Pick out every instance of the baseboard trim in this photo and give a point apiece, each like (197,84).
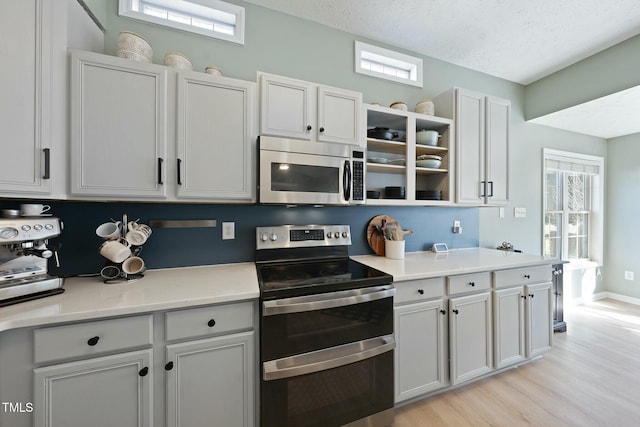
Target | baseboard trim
(603,295)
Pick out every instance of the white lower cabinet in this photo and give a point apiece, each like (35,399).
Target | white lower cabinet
(210,382)
(539,322)
(509,327)
(421,355)
(470,336)
(99,392)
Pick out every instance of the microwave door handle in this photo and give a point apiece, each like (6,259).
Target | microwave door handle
(321,360)
(346,180)
(324,301)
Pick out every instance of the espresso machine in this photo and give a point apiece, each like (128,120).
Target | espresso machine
(24,256)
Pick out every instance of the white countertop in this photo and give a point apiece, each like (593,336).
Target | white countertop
(421,265)
(89,298)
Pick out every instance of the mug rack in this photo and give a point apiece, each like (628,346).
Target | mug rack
(135,251)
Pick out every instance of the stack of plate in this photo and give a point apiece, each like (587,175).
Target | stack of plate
(429,161)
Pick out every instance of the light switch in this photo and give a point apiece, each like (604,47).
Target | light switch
(520,212)
(228,230)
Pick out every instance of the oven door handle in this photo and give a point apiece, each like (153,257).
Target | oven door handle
(326,300)
(321,360)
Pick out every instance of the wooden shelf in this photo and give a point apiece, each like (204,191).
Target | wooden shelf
(429,171)
(386,146)
(383,168)
(430,149)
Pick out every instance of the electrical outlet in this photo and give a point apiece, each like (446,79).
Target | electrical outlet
(628,275)
(228,230)
(457,228)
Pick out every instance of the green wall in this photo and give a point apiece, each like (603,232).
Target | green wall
(282,44)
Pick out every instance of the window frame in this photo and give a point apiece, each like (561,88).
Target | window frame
(362,48)
(595,214)
(125,9)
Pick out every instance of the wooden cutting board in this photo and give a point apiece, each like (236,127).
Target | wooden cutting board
(375,239)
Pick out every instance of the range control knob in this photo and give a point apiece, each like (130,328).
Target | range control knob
(48,226)
(273,237)
(336,234)
(345,234)
(329,235)
(264,237)
(26,227)
(37,227)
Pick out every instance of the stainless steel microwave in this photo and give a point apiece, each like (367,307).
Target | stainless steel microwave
(310,172)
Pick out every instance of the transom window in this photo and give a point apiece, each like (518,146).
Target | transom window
(573,220)
(212,18)
(388,64)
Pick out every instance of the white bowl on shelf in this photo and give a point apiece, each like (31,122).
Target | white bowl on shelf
(429,163)
(177,60)
(133,46)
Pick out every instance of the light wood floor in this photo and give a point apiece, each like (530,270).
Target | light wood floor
(590,378)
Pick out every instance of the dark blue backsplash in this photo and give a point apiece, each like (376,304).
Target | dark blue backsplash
(177,247)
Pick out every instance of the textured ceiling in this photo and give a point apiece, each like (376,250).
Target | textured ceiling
(517,40)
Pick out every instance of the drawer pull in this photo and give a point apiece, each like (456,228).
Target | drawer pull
(531,295)
(211,323)
(309,127)
(143,372)
(421,291)
(455,311)
(443,312)
(526,276)
(472,283)
(93,341)
(168,366)
(523,296)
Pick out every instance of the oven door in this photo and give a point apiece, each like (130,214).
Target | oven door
(352,383)
(297,325)
(296,178)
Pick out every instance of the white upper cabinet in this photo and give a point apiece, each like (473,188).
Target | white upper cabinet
(33,108)
(297,109)
(215,137)
(118,127)
(482,145)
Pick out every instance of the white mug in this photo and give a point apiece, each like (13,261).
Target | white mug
(109,230)
(33,209)
(110,272)
(138,233)
(133,265)
(115,251)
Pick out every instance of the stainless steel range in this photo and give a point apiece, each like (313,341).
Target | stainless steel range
(326,331)
(23,258)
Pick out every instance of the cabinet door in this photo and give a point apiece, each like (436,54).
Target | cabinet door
(210,382)
(339,115)
(470,336)
(26,89)
(470,130)
(215,138)
(508,317)
(118,121)
(539,323)
(498,113)
(101,392)
(287,107)
(420,355)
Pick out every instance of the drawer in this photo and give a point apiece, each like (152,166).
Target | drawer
(522,276)
(418,290)
(208,320)
(469,283)
(92,338)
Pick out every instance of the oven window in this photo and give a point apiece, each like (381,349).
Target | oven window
(304,178)
(294,333)
(329,398)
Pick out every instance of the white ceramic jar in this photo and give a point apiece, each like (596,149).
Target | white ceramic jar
(426,106)
(133,46)
(177,60)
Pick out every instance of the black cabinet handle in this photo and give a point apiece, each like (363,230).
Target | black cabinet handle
(93,341)
(526,276)
(531,295)
(309,127)
(211,323)
(160,160)
(443,312)
(168,366)
(472,283)
(491,189)
(47,163)
(144,371)
(321,129)
(455,311)
(523,296)
(421,291)
(483,192)
(179,166)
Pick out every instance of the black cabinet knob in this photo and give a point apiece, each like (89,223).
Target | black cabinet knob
(455,311)
(526,276)
(531,295)
(421,291)
(321,129)
(443,312)
(211,323)
(309,127)
(168,366)
(523,296)
(472,283)
(93,341)
(143,372)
